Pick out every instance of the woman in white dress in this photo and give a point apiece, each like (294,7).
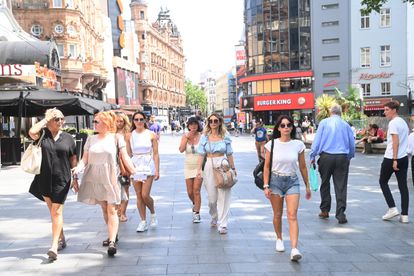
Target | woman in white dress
(143,145)
(189,144)
(99,183)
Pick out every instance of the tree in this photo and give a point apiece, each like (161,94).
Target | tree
(375,5)
(194,96)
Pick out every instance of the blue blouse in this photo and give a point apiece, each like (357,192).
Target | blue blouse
(223,146)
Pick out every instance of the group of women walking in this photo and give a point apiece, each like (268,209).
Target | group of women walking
(119,155)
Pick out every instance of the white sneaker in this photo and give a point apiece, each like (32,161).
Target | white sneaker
(142,226)
(154,220)
(196,218)
(392,212)
(222,230)
(404,219)
(280,247)
(295,255)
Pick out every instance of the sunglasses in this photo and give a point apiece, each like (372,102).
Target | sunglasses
(96,122)
(139,119)
(58,119)
(289,125)
(213,121)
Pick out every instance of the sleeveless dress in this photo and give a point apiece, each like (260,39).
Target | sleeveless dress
(99,181)
(191,161)
(141,147)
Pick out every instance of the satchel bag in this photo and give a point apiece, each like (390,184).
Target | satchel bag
(32,157)
(224,176)
(258,171)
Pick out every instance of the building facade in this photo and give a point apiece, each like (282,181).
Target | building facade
(278,52)
(331,52)
(161,60)
(208,84)
(78,29)
(382,57)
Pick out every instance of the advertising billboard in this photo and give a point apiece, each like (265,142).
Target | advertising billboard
(126,87)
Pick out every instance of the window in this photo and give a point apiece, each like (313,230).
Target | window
(366,89)
(36,30)
(69,3)
(385,88)
(330,23)
(61,50)
(57,3)
(329,91)
(385,15)
(331,75)
(364,21)
(59,29)
(330,40)
(329,58)
(142,15)
(72,50)
(71,30)
(385,56)
(330,6)
(365,57)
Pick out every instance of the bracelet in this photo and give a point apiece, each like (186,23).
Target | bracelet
(265,186)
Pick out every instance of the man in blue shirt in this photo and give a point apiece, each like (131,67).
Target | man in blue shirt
(154,126)
(261,139)
(335,144)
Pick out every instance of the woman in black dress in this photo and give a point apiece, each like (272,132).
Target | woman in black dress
(53,182)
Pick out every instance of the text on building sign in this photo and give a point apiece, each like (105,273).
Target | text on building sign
(274,102)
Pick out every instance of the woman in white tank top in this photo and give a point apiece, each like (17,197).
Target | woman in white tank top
(143,146)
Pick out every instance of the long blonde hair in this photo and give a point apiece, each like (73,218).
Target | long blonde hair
(222,131)
(108,118)
(127,123)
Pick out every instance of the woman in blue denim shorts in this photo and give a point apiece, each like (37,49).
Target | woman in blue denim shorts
(284,182)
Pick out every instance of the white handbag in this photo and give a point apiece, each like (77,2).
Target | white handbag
(32,157)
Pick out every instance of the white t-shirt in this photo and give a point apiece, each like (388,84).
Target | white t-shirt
(397,126)
(285,155)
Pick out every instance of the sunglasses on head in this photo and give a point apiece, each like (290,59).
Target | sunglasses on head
(139,119)
(213,121)
(58,119)
(289,125)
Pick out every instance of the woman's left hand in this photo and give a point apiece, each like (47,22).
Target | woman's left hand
(75,185)
(156,175)
(268,192)
(308,192)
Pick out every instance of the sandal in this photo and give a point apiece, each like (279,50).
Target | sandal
(123,218)
(107,242)
(61,244)
(111,249)
(52,255)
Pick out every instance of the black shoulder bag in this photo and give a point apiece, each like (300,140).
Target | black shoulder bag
(258,171)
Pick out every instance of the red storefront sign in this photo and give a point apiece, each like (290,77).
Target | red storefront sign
(375,103)
(288,101)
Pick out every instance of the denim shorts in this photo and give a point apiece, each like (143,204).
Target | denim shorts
(284,185)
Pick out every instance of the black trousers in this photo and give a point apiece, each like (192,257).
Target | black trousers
(336,166)
(401,174)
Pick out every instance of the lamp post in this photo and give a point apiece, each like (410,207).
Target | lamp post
(409,97)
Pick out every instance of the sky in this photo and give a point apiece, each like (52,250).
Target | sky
(210,29)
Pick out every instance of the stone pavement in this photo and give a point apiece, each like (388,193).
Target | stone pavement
(365,246)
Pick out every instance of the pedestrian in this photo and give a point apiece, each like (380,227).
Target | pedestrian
(260,139)
(144,148)
(299,134)
(395,161)
(53,182)
(241,126)
(215,144)
(123,128)
(334,143)
(305,125)
(410,151)
(99,183)
(154,126)
(284,182)
(189,144)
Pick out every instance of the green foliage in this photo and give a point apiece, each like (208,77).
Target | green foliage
(70,130)
(376,5)
(350,104)
(195,97)
(87,131)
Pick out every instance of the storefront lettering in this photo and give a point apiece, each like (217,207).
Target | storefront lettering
(11,70)
(274,102)
(382,75)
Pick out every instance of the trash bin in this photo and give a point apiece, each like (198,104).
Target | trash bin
(11,152)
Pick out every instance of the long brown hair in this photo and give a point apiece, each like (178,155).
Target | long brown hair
(222,131)
(127,123)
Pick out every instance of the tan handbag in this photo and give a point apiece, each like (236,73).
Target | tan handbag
(224,176)
(32,157)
